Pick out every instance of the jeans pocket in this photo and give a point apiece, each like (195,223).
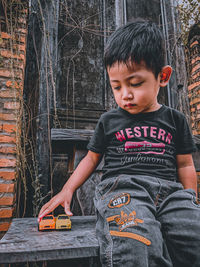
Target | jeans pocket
(106,188)
(195,200)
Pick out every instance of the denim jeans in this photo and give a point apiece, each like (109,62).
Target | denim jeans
(145,221)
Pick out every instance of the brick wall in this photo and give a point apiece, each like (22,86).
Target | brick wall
(12,63)
(193,58)
(194,84)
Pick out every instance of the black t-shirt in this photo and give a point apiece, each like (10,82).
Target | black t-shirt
(145,144)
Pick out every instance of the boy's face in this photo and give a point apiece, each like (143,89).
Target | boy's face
(135,88)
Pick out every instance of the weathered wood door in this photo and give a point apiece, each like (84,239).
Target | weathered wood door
(82,91)
(65,46)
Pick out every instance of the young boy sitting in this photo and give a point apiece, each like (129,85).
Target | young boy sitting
(147,214)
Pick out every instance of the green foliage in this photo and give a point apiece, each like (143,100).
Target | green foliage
(189,12)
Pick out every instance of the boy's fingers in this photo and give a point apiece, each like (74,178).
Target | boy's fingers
(67,209)
(47,208)
(52,204)
(44,208)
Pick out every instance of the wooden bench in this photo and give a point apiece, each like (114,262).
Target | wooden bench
(24,243)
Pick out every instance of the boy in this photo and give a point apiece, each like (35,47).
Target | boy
(147,213)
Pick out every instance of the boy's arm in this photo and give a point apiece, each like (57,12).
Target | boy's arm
(79,176)
(186,171)
(85,168)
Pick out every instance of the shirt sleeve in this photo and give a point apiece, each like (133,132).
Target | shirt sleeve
(185,143)
(97,142)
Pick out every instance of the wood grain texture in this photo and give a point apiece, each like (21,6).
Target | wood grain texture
(23,242)
(71,134)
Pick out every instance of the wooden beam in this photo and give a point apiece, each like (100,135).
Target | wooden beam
(71,134)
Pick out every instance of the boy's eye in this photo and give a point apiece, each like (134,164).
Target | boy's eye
(116,87)
(136,84)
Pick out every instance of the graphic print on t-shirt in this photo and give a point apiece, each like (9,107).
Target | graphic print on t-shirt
(144,140)
(144,147)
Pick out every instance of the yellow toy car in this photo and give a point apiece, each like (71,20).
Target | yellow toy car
(63,222)
(47,223)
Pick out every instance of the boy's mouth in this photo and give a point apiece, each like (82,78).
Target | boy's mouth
(129,105)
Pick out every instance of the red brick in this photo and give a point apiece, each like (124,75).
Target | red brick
(24,11)
(193,85)
(24,31)
(194,101)
(7,149)
(6,73)
(7,139)
(7,200)
(22,39)
(194,76)
(192,118)
(7,175)
(195,60)
(193,109)
(7,188)
(4,162)
(22,20)
(8,117)
(195,132)
(196,67)
(4,226)
(19,47)
(11,105)
(8,94)
(194,43)
(8,128)
(6,212)
(14,84)
(19,65)
(9,54)
(5,35)
(19,74)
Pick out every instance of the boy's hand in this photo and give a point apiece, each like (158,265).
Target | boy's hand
(63,198)
(79,176)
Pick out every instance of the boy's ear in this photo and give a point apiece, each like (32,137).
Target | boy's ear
(165,75)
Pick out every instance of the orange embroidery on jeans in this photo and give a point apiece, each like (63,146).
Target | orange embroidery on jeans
(131,235)
(119,201)
(111,218)
(124,220)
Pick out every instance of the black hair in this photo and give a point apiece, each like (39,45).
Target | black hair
(137,41)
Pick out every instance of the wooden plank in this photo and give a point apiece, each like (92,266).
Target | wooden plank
(143,9)
(48,20)
(23,242)
(78,118)
(71,134)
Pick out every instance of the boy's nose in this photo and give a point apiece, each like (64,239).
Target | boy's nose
(127,94)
